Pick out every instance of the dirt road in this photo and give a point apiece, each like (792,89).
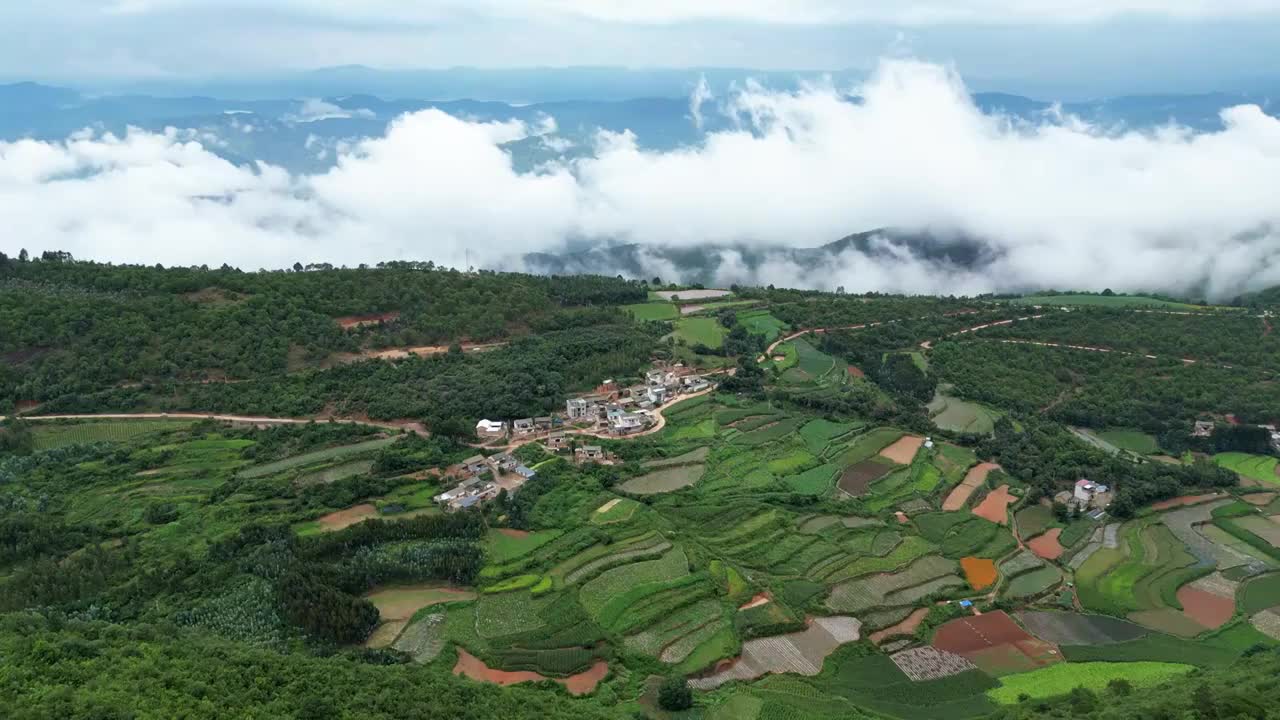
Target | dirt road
(243,419)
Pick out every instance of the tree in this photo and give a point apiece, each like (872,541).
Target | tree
(16,437)
(297,267)
(656,281)
(674,694)
(23,256)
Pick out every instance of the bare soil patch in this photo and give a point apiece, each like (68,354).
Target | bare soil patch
(1259,499)
(512,532)
(355,321)
(906,627)
(691,309)
(1184,500)
(608,506)
(978,632)
(692,294)
(995,506)
(580,684)
(801,652)
(857,478)
(400,603)
(1047,545)
(763,598)
(904,450)
(856,371)
(1206,608)
(973,479)
(980,572)
(346,518)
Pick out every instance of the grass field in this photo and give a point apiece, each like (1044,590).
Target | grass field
(701,331)
(761,322)
(313,458)
(1108,301)
(815,481)
(1131,440)
(1257,467)
(818,433)
(615,511)
(49,435)
(1062,678)
(663,481)
(652,311)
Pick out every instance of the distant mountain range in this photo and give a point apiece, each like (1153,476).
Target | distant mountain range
(302,135)
(751,264)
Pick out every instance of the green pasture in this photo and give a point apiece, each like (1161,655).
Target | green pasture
(653,311)
(501,547)
(762,322)
(1062,678)
(1255,467)
(701,331)
(955,415)
(1131,440)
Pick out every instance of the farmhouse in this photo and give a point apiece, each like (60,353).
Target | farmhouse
(557,442)
(503,462)
(627,423)
(576,408)
(491,429)
(467,494)
(522,427)
(1088,494)
(589,452)
(695,384)
(543,424)
(475,464)
(657,395)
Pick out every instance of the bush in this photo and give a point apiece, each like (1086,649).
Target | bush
(674,694)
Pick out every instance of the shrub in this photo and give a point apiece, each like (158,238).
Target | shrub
(674,694)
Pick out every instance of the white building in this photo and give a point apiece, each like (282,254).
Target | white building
(491,429)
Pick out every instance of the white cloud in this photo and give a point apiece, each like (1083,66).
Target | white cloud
(314,109)
(812,12)
(1060,205)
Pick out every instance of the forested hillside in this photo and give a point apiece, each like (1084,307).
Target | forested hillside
(832,506)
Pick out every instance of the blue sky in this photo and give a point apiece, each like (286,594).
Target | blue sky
(1061,48)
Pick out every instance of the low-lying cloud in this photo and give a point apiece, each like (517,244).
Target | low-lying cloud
(1057,204)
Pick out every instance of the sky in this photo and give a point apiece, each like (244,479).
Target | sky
(1046,47)
(1061,204)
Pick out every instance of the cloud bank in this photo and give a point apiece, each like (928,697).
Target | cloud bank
(1058,204)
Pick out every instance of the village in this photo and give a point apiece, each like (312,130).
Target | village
(610,411)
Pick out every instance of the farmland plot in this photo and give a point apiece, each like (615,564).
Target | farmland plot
(664,481)
(973,479)
(1062,678)
(857,478)
(800,653)
(47,436)
(1066,628)
(313,458)
(614,584)
(929,663)
(856,596)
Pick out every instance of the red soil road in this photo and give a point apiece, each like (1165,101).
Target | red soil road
(580,684)
(995,506)
(1184,500)
(346,518)
(1207,609)
(904,450)
(972,481)
(906,627)
(979,632)
(761,599)
(1047,546)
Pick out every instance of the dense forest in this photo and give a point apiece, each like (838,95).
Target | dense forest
(69,327)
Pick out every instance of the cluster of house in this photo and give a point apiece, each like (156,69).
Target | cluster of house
(482,479)
(1205,428)
(1087,497)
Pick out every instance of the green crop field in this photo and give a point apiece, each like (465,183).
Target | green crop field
(621,510)
(1032,583)
(1062,678)
(1131,440)
(613,583)
(664,481)
(1259,594)
(792,462)
(818,433)
(502,547)
(956,415)
(652,311)
(1256,467)
(815,481)
(1033,520)
(1111,301)
(313,458)
(701,331)
(54,435)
